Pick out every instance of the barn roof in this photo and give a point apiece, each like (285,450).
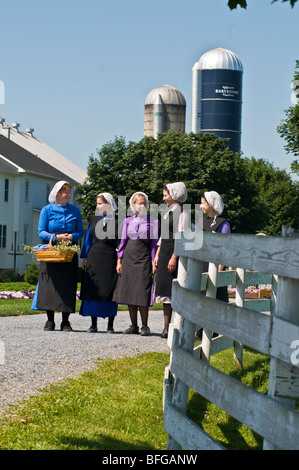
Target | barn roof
(43,153)
(14,158)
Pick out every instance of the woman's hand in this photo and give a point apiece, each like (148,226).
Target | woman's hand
(118,266)
(172,263)
(83,265)
(64,237)
(156,259)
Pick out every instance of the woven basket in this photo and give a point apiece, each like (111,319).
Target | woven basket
(54,256)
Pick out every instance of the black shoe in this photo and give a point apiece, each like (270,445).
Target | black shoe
(145,331)
(49,326)
(66,326)
(110,329)
(92,329)
(132,330)
(164,334)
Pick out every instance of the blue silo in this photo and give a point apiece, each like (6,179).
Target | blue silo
(217,96)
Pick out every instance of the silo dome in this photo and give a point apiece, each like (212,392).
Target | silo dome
(219,59)
(164,109)
(169,95)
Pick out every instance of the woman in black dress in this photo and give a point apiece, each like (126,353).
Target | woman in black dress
(165,266)
(212,207)
(99,264)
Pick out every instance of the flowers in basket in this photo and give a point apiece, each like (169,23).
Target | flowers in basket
(63,252)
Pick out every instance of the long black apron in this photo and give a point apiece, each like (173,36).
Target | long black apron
(100,276)
(210,226)
(163,277)
(134,285)
(57,286)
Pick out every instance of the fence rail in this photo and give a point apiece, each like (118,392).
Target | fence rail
(269,326)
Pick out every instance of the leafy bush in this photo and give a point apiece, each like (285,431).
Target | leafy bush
(32,273)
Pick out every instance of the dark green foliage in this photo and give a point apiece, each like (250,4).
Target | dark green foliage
(32,273)
(243,3)
(203,162)
(289,127)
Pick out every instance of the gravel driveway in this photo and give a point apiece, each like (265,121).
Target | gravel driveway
(31,358)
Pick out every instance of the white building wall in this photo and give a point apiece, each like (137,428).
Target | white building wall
(6,218)
(21,214)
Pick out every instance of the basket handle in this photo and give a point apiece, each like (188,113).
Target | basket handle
(50,242)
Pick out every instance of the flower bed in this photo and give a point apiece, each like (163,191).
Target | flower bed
(253,293)
(9,294)
(24,294)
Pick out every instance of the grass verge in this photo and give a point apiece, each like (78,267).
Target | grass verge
(118,406)
(15,307)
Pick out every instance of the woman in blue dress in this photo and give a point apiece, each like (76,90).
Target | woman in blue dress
(57,283)
(99,274)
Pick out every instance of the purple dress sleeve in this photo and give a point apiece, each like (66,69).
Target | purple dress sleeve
(224,227)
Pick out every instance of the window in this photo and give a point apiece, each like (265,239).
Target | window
(6,189)
(48,190)
(27,190)
(3,229)
(26,234)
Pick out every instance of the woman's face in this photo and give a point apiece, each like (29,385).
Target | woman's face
(140,206)
(63,196)
(206,207)
(102,206)
(167,198)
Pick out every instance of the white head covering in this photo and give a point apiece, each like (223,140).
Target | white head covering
(215,200)
(55,189)
(132,197)
(109,198)
(177,191)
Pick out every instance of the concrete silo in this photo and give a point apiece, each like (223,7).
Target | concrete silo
(164,109)
(217,96)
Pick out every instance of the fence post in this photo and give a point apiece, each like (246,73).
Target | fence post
(240,296)
(189,276)
(287,309)
(211,291)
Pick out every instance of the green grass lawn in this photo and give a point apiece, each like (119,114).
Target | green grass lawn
(119,406)
(12,307)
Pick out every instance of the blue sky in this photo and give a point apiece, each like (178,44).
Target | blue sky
(79,72)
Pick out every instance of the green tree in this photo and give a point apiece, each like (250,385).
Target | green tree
(289,127)
(257,196)
(277,194)
(243,3)
(202,161)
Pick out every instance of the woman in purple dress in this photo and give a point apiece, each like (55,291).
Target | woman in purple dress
(136,253)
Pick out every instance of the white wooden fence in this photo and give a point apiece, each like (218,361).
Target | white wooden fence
(271,329)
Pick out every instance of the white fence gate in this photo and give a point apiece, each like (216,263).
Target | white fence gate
(270,327)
